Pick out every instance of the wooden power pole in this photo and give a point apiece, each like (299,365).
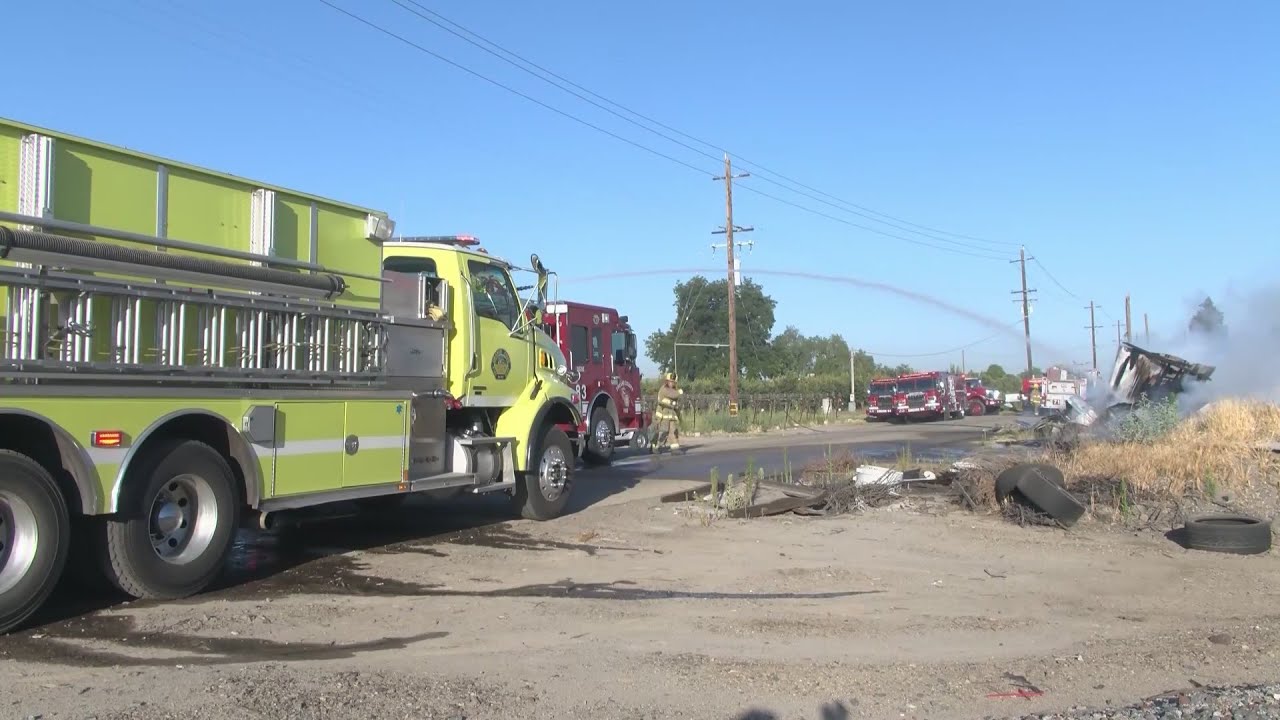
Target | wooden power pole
(1093,333)
(728,230)
(1026,305)
(1128,321)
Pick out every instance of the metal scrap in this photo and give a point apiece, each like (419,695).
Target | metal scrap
(1140,373)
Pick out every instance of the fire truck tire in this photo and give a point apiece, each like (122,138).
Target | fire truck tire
(543,491)
(977,407)
(640,440)
(176,522)
(600,435)
(35,532)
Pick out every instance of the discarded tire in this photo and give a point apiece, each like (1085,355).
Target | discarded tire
(1007,481)
(1235,534)
(1045,490)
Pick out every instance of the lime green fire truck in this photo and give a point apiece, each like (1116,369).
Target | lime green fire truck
(187,351)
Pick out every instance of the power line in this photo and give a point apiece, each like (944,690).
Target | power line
(502,53)
(865,227)
(981,253)
(514,91)
(1055,280)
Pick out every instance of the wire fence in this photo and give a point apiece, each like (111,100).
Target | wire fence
(710,412)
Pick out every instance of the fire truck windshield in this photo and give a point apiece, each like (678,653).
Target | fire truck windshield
(917,385)
(882,386)
(973,383)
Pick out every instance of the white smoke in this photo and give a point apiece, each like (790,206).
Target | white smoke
(1245,353)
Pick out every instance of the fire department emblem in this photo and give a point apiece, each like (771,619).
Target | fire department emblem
(501,364)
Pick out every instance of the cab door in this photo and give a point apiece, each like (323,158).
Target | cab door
(503,360)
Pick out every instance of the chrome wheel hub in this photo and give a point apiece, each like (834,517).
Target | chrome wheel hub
(603,437)
(19,538)
(553,472)
(183,517)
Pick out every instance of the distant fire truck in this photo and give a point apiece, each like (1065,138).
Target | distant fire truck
(880,398)
(931,395)
(600,347)
(981,399)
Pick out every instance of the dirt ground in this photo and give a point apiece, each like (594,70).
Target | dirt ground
(632,610)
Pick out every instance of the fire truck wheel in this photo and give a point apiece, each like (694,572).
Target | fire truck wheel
(35,532)
(543,491)
(976,407)
(176,521)
(640,440)
(600,442)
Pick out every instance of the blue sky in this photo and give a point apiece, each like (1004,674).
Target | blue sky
(1101,135)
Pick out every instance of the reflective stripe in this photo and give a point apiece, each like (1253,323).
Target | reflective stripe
(106,456)
(115,456)
(336,445)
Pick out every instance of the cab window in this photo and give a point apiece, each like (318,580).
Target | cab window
(597,352)
(492,294)
(578,351)
(618,344)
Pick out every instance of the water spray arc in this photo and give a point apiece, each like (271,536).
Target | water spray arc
(999,327)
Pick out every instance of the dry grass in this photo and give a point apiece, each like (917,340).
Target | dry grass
(1217,449)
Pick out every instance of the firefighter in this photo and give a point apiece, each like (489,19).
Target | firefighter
(666,418)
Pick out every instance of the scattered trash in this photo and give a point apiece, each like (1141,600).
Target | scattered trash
(1023,688)
(861,487)
(877,475)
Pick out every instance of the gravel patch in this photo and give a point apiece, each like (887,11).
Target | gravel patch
(1244,702)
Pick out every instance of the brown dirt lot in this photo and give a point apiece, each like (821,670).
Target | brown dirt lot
(631,610)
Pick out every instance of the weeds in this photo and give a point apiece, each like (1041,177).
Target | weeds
(1149,421)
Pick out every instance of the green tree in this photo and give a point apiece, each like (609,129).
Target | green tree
(702,316)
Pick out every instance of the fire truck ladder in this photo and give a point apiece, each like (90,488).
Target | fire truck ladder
(77,327)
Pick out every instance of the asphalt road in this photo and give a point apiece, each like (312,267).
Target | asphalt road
(882,443)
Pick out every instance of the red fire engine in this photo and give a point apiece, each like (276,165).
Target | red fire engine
(982,400)
(934,395)
(880,398)
(600,347)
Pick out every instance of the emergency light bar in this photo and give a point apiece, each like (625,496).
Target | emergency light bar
(464,240)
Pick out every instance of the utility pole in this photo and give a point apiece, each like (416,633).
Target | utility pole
(853,384)
(1146,330)
(729,229)
(1128,322)
(1118,339)
(1093,333)
(962,369)
(1026,305)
